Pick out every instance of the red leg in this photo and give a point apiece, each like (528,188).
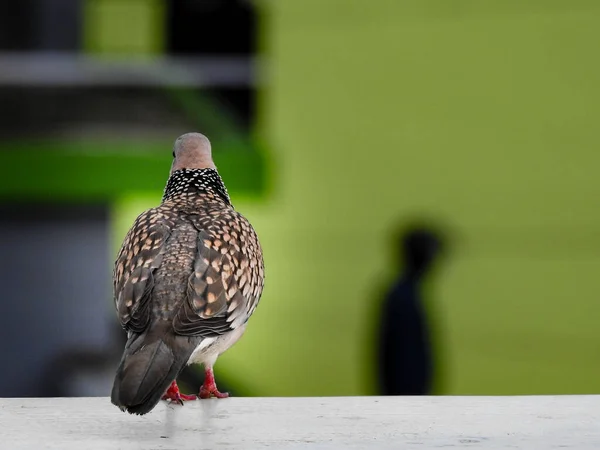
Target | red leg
(174,395)
(209,388)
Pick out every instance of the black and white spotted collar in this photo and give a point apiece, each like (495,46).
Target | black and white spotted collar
(193,181)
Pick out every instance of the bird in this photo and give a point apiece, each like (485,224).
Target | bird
(187,278)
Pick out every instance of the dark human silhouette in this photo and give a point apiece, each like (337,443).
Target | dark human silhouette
(405,355)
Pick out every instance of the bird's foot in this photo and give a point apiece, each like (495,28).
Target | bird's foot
(208,392)
(209,388)
(175,396)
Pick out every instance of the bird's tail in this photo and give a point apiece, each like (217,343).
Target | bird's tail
(148,366)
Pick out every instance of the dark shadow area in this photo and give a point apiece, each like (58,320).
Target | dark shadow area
(405,351)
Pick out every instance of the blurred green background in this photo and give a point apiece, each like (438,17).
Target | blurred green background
(480,115)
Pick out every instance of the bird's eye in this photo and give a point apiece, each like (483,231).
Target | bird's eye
(173,153)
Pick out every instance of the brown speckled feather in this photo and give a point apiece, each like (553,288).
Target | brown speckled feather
(227,281)
(140,255)
(228,272)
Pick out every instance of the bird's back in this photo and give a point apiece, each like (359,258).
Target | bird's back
(172,276)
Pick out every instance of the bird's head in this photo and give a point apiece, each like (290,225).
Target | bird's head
(192,151)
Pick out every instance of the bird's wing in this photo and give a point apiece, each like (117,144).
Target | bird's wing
(141,253)
(228,277)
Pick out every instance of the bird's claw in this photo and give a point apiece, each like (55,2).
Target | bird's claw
(179,398)
(209,387)
(174,396)
(207,392)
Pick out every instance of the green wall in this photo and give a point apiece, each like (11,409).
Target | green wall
(482,115)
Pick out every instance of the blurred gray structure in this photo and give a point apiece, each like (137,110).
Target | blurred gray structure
(55,289)
(60,335)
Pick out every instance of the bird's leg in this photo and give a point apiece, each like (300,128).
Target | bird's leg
(174,395)
(209,388)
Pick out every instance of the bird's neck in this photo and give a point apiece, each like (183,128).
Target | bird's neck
(191,182)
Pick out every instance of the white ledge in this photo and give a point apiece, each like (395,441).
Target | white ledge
(318,423)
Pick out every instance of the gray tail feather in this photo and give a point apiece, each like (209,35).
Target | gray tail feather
(144,374)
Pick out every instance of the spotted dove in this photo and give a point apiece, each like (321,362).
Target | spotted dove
(188,277)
